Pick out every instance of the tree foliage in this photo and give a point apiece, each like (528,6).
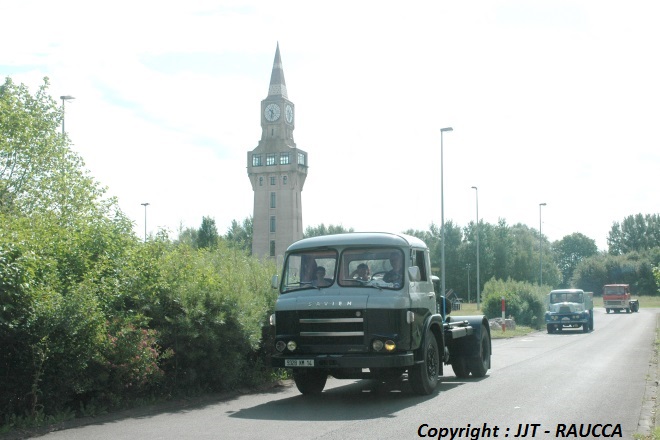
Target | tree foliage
(635,233)
(315,231)
(38,170)
(240,234)
(90,316)
(634,268)
(207,235)
(570,251)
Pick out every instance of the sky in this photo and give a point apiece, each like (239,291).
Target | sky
(550,101)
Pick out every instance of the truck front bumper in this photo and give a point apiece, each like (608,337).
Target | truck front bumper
(579,318)
(343,360)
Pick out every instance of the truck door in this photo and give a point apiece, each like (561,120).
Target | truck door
(422,295)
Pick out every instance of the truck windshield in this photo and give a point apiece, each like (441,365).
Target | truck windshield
(312,269)
(559,297)
(372,267)
(613,290)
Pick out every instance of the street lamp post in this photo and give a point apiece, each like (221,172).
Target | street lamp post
(477,231)
(145,220)
(468,277)
(540,247)
(65,98)
(442,217)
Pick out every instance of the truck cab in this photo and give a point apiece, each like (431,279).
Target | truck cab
(363,305)
(616,297)
(569,308)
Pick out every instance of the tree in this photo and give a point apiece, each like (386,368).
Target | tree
(187,236)
(38,170)
(315,231)
(635,233)
(207,235)
(240,235)
(569,251)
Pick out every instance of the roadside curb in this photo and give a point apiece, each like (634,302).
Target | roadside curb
(648,419)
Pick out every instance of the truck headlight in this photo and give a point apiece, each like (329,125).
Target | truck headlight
(377,345)
(291,345)
(280,346)
(390,345)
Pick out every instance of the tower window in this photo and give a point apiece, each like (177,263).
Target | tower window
(284,180)
(256,160)
(272,223)
(270,159)
(301,159)
(284,159)
(272,248)
(272,200)
(272,180)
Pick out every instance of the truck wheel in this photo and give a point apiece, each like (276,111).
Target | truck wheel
(607,310)
(310,381)
(551,328)
(585,327)
(460,367)
(479,365)
(591,321)
(424,377)
(627,309)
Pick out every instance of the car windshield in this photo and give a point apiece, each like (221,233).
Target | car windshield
(372,267)
(313,269)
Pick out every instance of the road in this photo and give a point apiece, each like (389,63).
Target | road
(537,384)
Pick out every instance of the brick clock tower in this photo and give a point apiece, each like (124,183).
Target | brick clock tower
(277,170)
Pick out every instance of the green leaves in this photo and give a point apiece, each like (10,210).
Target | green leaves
(38,170)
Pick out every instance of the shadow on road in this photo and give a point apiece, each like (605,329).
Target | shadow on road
(361,400)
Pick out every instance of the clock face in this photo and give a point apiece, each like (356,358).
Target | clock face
(289,113)
(272,112)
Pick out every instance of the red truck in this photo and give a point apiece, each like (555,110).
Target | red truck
(617,297)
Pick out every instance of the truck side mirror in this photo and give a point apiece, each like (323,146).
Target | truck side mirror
(414,274)
(274,282)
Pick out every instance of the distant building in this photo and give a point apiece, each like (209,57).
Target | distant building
(277,170)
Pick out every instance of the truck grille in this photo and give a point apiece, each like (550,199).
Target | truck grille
(332,327)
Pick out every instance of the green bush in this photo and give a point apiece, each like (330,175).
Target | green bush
(524,302)
(216,305)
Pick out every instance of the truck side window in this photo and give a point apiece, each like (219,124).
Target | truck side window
(419,260)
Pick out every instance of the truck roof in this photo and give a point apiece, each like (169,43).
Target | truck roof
(567,291)
(358,239)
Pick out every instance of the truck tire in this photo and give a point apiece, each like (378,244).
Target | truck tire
(627,309)
(607,310)
(585,327)
(479,365)
(591,321)
(423,377)
(551,328)
(310,381)
(460,367)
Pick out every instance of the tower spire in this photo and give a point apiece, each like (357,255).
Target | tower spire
(277,84)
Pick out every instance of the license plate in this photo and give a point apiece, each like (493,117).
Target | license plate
(298,362)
